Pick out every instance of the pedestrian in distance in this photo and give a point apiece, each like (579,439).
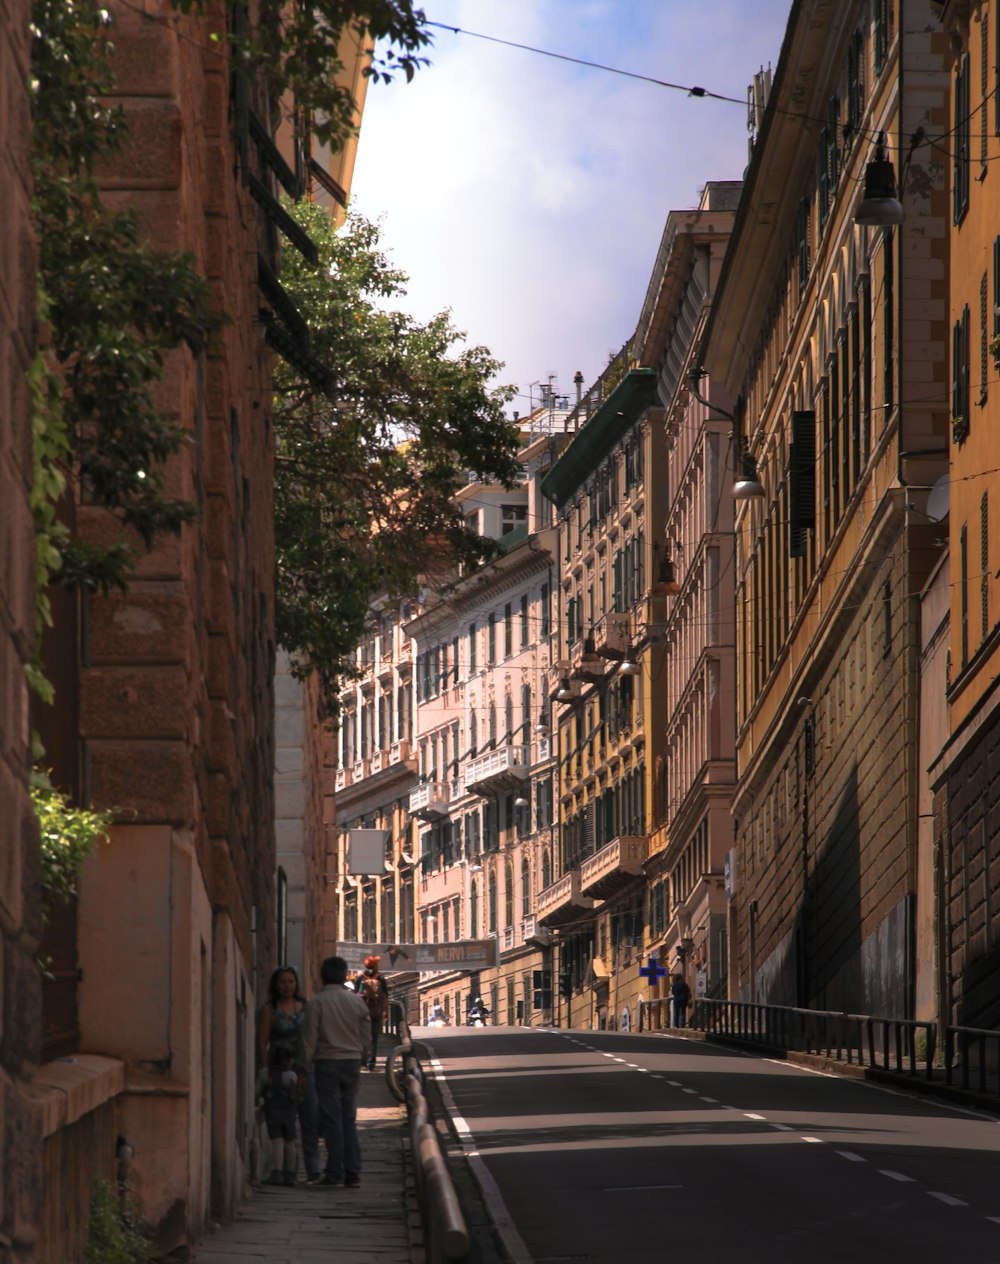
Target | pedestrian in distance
(374,991)
(337,1038)
(281,1095)
(279,1026)
(680,998)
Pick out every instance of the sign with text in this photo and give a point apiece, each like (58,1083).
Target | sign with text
(463,954)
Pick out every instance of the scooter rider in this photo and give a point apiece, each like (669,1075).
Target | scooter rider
(478,1013)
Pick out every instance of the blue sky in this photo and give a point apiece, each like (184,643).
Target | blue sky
(528,195)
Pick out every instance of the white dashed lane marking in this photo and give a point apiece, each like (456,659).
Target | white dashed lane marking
(851,1156)
(947,1199)
(894,1176)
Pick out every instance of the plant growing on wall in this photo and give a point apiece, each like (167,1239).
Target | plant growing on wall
(366,475)
(68,835)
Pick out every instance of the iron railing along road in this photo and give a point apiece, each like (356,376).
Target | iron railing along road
(966,1057)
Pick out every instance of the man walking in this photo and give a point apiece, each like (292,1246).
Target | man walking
(337,1037)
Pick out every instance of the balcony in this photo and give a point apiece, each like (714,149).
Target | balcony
(500,771)
(588,665)
(611,635)
(360,770)
(399,753)
(533,932)
(507,939)
(429,802)
(343,778)
(378,760)
(562,901)
(614,866)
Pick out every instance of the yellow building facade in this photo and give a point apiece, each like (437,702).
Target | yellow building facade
(827,333)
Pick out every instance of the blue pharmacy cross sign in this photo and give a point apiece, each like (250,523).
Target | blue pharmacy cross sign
(652,970)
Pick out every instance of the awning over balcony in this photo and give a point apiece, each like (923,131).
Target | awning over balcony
(562,901)
(500,771)
(614,866)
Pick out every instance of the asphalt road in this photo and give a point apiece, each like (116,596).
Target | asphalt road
(601,1146)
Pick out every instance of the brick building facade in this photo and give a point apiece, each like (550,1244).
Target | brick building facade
(165,699)
(20,1183)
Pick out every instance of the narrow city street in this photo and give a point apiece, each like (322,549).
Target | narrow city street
(605,1146)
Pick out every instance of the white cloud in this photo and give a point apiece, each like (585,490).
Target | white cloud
(528,194)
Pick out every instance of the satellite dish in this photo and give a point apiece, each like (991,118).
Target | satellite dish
(938,499)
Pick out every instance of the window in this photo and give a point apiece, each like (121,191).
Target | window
(984,565)
(882,34)
(473,668)
(964,553)
(984,87)
(545,618)
(474,909)
(525,888)
(802,242)
(855,84)
(960,376)
(984,338)
(512,517)
(960,141)
(525,632)
(491,639)
(508,630)
(828,160)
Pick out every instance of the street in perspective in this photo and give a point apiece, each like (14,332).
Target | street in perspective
(605,1146)
(499,631)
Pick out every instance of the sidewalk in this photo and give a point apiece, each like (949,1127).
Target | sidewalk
(311,1224)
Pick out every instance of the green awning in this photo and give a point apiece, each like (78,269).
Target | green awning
(598,436)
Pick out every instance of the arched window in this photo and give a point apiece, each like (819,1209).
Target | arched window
(508,719)
(474,909)
(493,902)
(508,895)
(525,888)
(546,868)
(493,725)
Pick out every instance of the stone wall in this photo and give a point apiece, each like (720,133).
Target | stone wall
(826,853)
(176,695)
(20,1129)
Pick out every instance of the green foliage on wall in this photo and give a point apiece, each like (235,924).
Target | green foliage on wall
(366,476)
(68,836)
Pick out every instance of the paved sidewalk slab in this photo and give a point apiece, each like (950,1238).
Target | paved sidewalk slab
(373,1224)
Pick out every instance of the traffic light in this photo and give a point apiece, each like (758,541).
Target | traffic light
(565,984)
